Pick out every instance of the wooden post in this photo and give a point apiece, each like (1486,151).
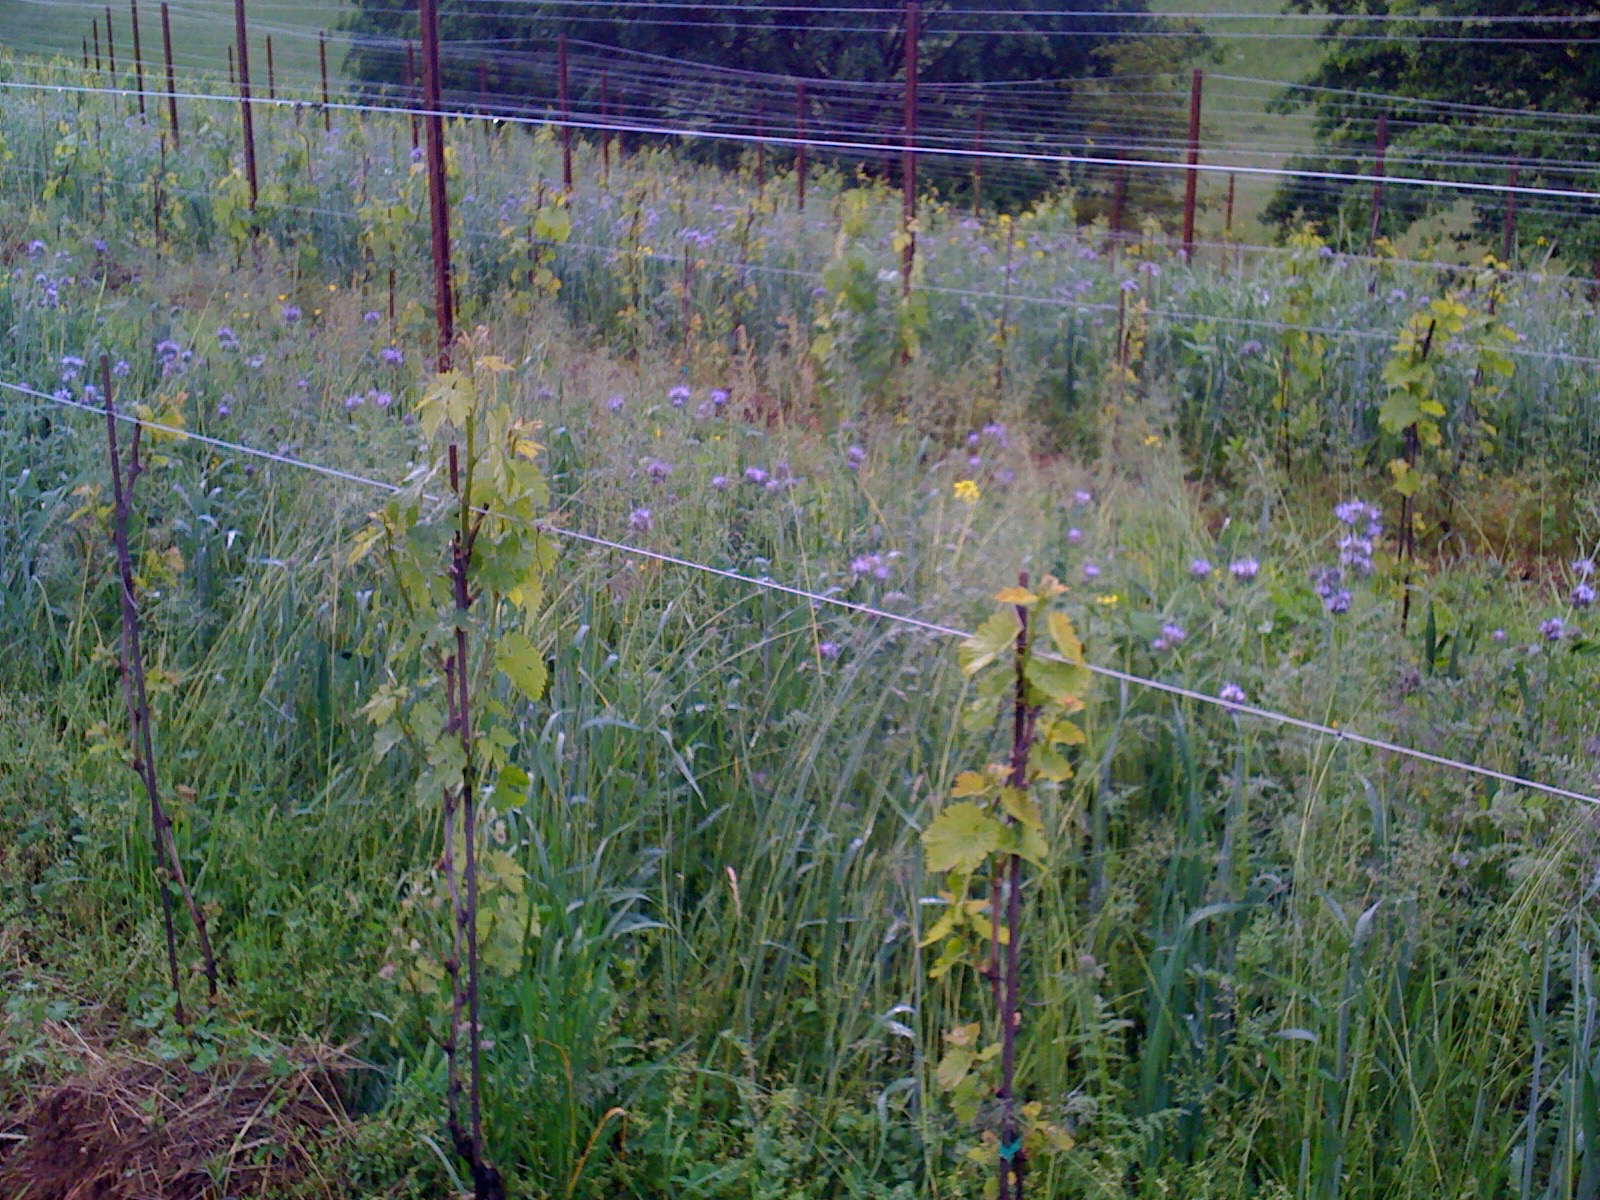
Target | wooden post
(272,73)
(322,61)
(138,55)
(111,47)
(172,80)
(233,76)
(483,88)
(566,113)
(438,200)
(1191,182)
(1227,217)
(977,164)
(1508,223)
(241,34)
(94,28)
(800,147)
(908,170)
(86,57)
(1381,145)
(605,128)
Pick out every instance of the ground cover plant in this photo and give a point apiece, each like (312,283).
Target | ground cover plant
(714,906)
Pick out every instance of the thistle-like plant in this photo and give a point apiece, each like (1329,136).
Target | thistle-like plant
(980,843)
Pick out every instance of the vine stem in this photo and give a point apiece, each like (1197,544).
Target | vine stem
(1013,1159)
(486,1182)
(170,866)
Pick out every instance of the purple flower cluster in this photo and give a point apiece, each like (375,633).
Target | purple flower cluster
(1199,568)
(1171,634)
(1244,569)
(392,356)
(679,396)
(639,519)
(875,565)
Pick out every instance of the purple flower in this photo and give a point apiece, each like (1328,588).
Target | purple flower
(1326,580)
(829,650)
(99,245)
(855,456)
(657,469)
(392,355)
(1499,635)
(227,339)
(1172,633)
(380,399)
(1337,602)
(354,400)
(1582,596)
(974,461)
(614,403)
(1082,498)
(1231,693)
(371,317)
(1552,629)
(222,406)
(972,441)
(35,249)
(1130,285)
(870,564)
(755,475)
(996,433)
(1244,568)
(1199,567)
(639,518)
(679,396)
(1074,536)
(1250,349)
(1090,571)
(719,397)
(1581,567)
(719,482)
(291,313)
(416,154)
(121,368)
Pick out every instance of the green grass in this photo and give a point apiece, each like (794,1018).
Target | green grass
(1260,962)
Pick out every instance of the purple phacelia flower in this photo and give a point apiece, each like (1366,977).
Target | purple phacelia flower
(392,355)
(719,482)
(371,316)
(755,475)
(614,403)
(855,456)
(1074,536)
(679,396)
(1091,571)
(1582,596)
(828,650)
(1231,693)
(1552,629)
(1199,568)
(657,469)
(1244,569)
(291,313)
(1337,602)
(1082,498)
(639,519)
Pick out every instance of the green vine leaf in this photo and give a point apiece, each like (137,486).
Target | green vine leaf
(522,663)
(993,638)
(960,838)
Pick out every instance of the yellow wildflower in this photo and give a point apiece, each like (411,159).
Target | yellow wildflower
(966,491)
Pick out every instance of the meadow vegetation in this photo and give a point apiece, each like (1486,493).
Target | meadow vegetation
(1255,961)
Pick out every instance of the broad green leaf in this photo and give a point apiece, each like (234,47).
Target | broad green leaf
(953,1067)
(1061,682)
(1025,842)
(969,783)
(1021,807)
(1065,637)
(520,659)
(960,838)
(993,638)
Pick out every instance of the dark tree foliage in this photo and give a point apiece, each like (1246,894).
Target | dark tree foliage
(1465,100)
(743,55)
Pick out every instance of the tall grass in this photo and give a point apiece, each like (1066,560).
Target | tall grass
(1263,964)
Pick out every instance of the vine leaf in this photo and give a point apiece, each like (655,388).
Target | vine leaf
(993,638)
(520,659)
(961,838)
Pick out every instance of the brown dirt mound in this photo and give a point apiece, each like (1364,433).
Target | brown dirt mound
(141,1130)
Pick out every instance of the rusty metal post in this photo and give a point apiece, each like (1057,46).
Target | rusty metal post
(1119,200)
(241,34)
(1227,216)
(566,113)
(322,61)
(605,128)
(138,55)
(94,28)
(1192,180)
(438,200)
(233,76)
(1381,145)
(1508,222)
(761,149)
(272,74)
(111,47)
(413,96)
(800,146)
(908,169)
(172,79)
(977,164)
(85,61)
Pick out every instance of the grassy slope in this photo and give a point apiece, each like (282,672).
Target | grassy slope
(202,33)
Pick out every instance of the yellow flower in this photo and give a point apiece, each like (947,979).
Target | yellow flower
(1108,599)
(966,491)
(1152,440)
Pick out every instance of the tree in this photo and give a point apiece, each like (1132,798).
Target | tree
(743,59)
(1500,82)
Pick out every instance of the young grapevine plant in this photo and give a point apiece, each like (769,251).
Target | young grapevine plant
(982,840)
(466,564)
